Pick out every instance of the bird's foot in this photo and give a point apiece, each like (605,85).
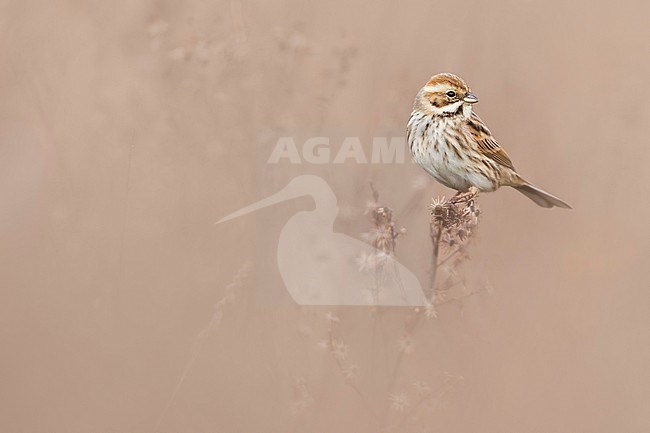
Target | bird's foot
(465,196)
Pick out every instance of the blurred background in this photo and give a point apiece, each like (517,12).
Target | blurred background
(128,128)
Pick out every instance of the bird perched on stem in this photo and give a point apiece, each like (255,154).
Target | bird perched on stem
(453,145)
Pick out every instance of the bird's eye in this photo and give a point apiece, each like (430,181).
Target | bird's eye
(451,94)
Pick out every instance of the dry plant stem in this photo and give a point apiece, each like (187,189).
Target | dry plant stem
(459,299)
(348,381)
(449,257)
(436,233)
(385,240)
(446,219)
(234,285)
(452,226)
(419,404)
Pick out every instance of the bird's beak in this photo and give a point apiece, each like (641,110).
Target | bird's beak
(470,98)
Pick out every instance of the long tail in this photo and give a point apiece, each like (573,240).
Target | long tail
(541,197)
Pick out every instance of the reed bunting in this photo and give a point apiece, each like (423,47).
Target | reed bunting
(453,145)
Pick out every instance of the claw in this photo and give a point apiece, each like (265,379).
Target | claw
(465,196)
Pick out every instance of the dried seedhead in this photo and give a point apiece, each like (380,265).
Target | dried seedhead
(384,232)
(453,224)
(457,217)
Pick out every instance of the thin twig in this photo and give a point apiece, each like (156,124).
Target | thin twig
(435,233)
(348,381)
(419,404)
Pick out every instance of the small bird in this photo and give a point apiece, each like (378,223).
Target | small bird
(453,145)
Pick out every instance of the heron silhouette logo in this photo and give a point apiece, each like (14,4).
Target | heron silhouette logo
(321,267)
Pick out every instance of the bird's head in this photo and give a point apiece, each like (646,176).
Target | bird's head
(445,95)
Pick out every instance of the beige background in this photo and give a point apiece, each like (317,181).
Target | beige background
(127,128)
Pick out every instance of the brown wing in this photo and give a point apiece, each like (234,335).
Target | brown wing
(487,145)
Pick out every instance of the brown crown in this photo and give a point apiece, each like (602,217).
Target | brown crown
(450,80)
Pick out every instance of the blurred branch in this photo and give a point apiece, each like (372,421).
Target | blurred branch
(229,296)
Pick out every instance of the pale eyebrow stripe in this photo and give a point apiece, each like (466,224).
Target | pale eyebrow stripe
(434,89)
